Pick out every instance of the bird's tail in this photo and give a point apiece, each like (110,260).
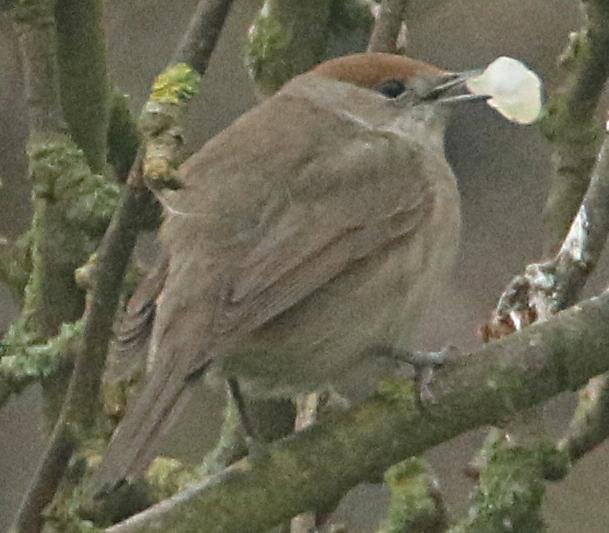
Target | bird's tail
(135,441)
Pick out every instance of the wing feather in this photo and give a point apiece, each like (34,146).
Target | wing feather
(296,259)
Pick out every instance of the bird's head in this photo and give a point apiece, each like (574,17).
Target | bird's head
(399,78)
(386,91)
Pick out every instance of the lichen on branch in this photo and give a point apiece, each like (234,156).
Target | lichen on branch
(286,38)
(570,122)
(415,503)
(160,124)
(72,208)
(510,490)
(24,359)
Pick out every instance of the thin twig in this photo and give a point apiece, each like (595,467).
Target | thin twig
(202,35)
(500,379)
(113,257)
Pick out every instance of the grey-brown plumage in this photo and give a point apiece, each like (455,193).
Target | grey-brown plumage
(313,229)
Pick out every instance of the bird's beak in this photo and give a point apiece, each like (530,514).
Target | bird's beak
(453,81)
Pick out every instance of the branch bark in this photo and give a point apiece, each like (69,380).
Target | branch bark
(52,297)
(79,408)
(415,502)
(590,423)
(389,33)
(549,287)
(570,123)
(85,87)
(287,38)
(202,34)
(502,378)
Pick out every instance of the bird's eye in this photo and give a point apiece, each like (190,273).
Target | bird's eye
(391,88)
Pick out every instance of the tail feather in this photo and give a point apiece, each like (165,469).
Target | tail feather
(135,441)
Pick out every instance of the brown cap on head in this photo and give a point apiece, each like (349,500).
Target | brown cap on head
(369,70)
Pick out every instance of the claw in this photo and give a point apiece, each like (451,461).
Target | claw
(424,364)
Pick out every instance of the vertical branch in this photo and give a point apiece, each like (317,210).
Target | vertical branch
(123,137)
(510,489)
(202,34)
(51,296)
(287,38)
(79,407)
(415,503)
(570,123)
(389,33)
(34,25)
(85,95)
(72,207)
(57,247)
(590,423)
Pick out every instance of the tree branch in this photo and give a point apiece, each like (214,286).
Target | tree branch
(549,287)
(287,38)
(415,502)
(202,34)
(34,25)
(72,206)
(123,137)
(500,379)
(82,396)
(50,283)
(23,362)
(590,423)
(570,122)
(389,33)
(83,76)
(510,489)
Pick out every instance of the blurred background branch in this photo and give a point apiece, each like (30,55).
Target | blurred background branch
(570,123)
(390,30)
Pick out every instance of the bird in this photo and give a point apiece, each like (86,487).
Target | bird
(303,239)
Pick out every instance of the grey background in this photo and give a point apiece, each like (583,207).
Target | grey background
(502,171)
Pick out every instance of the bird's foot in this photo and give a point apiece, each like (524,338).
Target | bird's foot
(424,364)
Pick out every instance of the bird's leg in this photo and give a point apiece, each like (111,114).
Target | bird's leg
(424,364)
(253,441)
(246,421)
